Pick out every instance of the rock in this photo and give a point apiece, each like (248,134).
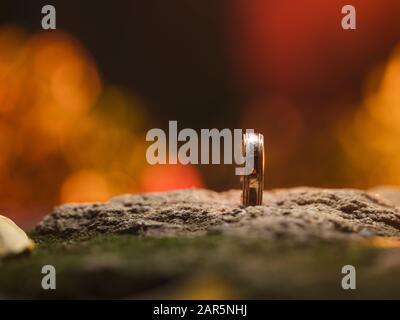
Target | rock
(13,240)
(389,193)
(299,213)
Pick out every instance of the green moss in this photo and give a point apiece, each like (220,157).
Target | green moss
(111,266)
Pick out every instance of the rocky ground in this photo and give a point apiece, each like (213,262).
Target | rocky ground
(203,244)
(295,213)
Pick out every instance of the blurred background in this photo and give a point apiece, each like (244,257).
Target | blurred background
(76,103)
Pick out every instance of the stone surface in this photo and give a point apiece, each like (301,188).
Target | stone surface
(390,193)
(123,253)
(299,213)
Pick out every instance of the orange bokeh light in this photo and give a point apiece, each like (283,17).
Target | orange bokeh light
(64,136)
(85,186)
(170,177)
(371,136)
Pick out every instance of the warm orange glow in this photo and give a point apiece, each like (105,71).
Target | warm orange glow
(11,44)
(85,186)
(63,137)
(384,242)
(206,286)
(170,177)
(371,138)
(67,135)
(67,83)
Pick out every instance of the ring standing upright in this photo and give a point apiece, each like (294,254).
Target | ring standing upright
(253,183)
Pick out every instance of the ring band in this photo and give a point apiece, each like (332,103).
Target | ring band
(253,184)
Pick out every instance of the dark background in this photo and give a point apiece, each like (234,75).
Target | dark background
(285,68)
(172,53)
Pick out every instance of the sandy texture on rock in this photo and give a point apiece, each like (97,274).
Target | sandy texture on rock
(389,193)
(299,213)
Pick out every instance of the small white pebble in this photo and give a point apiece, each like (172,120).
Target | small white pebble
(13,240)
